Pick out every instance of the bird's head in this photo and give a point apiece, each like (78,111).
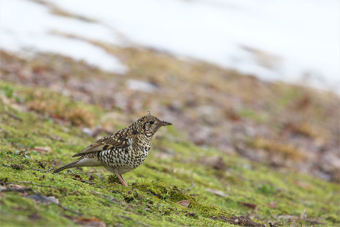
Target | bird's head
(149,124)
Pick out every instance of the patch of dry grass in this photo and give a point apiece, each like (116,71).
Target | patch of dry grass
(286,150)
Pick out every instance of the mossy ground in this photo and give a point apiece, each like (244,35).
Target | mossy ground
(173,172)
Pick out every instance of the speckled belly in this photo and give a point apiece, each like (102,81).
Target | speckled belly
(123,159)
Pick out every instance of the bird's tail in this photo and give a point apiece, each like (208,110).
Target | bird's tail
(70,165)
(80,163)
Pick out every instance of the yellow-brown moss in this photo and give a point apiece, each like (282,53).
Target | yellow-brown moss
(287,150)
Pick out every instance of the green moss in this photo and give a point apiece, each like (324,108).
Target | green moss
(19,211)
(155,187)
(7,90)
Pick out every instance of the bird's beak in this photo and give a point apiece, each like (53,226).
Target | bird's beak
(165,123)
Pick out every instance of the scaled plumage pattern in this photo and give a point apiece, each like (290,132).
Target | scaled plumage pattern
(122,151)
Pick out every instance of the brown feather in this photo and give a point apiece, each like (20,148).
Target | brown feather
(117,140)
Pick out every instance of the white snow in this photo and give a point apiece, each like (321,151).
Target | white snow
(30,26)
(272,39)
(141,86)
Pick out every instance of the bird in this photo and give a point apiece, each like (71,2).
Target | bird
(122,151)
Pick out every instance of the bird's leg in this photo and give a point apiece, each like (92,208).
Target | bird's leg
(120,178)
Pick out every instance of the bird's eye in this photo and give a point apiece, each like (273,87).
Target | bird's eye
(151,122)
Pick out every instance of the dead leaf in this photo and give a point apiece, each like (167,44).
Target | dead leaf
(184,203)
(217,192)
(42,149)
(93,222)
(250,205)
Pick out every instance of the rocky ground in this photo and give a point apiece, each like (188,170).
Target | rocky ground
(241,150)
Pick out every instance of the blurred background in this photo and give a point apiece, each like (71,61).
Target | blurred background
(259,78)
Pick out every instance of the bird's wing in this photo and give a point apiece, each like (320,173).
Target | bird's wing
(118,140)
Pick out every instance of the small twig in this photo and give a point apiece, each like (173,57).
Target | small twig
(37,194)
(70,170)
(51,201)
(44,171)
(16,190)
(28,182)
(315,221)
(112,200)
(79,172)
(142,223)
(65,208)
(14,117)
(56,138)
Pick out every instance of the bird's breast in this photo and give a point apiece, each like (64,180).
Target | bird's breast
(129,158)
